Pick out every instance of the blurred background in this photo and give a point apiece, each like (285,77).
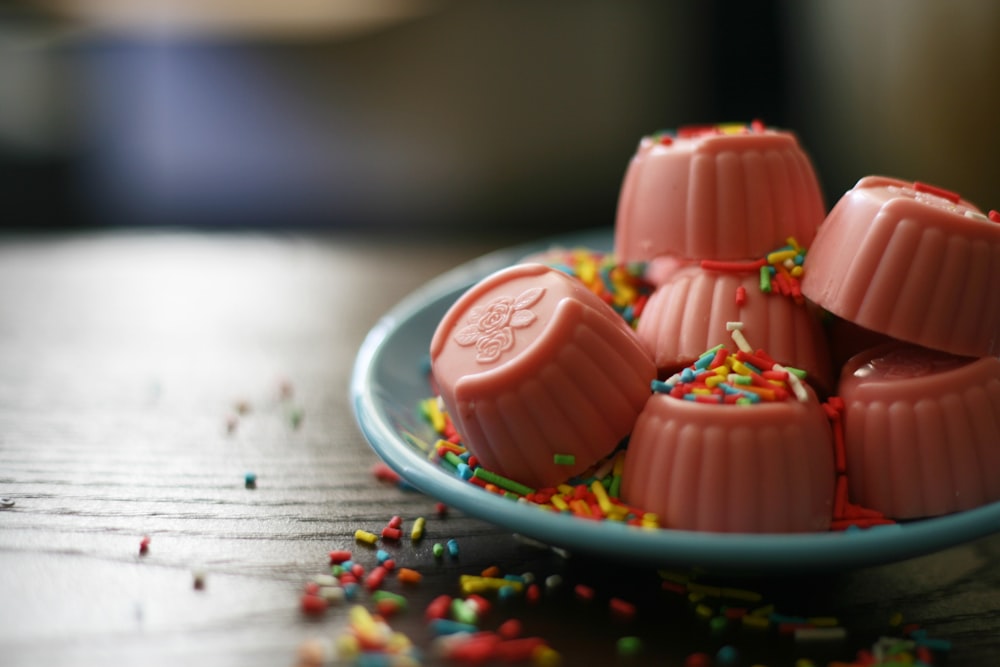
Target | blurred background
(448,116)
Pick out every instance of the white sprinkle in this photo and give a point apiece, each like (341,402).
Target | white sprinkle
(734,326)
(741,341)
(795,383)
(976,215)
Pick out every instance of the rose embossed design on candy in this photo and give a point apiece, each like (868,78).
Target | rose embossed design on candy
(491,327)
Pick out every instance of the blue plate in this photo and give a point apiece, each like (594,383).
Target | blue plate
(389,380)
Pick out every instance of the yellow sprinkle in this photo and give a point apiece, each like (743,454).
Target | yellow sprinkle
(739,367)
(617,513)
(602,495)
(896,620)
(434,414)
(714,380)
(797,271)
(764,611)
(711,591)
(565,489)
(757,622)
(348,646)
(417,531)
(704,611)
(779,256)
(559,503)
(365,536)
(619,464)
(695,598)
(674,577)
(741,594)
(824,621)
(472,584)
(792,242)
(731,128)
(361,620)
(700,391)
(545,656)
(398,643)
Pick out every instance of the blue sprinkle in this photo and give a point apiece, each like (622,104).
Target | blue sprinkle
(351,590)
(660,387)
(507,592)
(464,471)
(687,375)
(727,655)
(382,556)
(445,626)
(942,645)
(452,548)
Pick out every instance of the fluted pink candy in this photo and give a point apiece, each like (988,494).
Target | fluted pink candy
(530,364)
(717,196)
(765,468)
(688,314)
(922,430)
(910,265)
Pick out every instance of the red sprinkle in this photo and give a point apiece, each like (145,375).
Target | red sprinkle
(312,605)
(533,593)
(390,533)
(510,629)
(953,197)
(517,650)
(384,473)
(584,592)
(144,544)
(396,522)
(994,215)
(735,267)
(441,509)
(622,609)
(438,607)
(387,607)
(741,295)
(698,660)
(339,556)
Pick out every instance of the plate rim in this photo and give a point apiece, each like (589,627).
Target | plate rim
(738,552)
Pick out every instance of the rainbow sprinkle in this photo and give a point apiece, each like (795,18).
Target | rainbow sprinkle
(780,270)
(622,286)
(743,377)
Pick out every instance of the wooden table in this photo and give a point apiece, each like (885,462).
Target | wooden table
(144,375)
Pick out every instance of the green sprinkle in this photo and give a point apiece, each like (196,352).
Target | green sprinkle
(563,459)
(452,458)
(438,550)
(502,482)
(614,489)
(797,372)
(463,613)
(765,279)
(629,646)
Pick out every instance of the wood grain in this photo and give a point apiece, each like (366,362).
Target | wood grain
(125,361)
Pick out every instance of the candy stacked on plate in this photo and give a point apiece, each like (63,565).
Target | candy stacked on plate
(745,280)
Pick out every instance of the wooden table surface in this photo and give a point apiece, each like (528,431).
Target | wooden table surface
(143,375)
